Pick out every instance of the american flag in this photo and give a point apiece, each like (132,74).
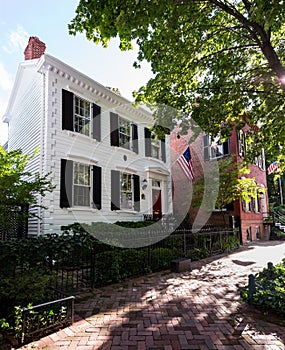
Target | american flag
(185,162)
(272,167)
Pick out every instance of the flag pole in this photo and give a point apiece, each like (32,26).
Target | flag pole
(281,191)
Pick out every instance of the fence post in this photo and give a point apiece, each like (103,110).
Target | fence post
(251,286)
(184,243)
(93,262)
(270,269)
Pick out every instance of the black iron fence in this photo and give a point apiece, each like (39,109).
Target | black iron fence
(102,263)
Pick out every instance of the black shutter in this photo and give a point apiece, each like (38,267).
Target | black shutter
(147,142)
(114,129)
(137,195)
(135,141)
(67,110)
(226,148)
(96,122)
(97,186)
(163,151)
(206,147)
(115,190)
(66,182)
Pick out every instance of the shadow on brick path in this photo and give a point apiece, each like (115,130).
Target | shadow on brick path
(197,309)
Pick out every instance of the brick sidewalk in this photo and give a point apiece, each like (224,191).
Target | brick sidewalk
(198,309)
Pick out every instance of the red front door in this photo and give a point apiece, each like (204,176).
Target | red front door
(156,204)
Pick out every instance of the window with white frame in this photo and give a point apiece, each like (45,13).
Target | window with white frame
(126,193)
(155,184)
(214,149)
(260,160)
(81,184)
(252,206)
(155,148)
(241,143)
(124,133)
(82,116)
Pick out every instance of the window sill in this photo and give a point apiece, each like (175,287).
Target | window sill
(74,134)
(218,157)
(126,211)
(155,160)
(122,149)
(89,209)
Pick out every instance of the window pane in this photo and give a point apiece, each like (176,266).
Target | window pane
(126,191)
(155,148)
(81,116)
(217,149)
(124,133)
(81,196)
(81,188)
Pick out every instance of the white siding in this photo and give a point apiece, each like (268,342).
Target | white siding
(38,110)
(25,124)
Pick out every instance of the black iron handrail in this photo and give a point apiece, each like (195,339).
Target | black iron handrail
(46,318)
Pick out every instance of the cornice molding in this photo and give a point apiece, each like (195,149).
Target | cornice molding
(48,63)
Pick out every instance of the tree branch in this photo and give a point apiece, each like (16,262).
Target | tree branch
(227,49)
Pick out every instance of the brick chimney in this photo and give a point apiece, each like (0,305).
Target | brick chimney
(34,49)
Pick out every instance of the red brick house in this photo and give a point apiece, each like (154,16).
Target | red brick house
(248,216)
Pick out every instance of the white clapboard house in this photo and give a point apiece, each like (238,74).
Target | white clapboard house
(95,144)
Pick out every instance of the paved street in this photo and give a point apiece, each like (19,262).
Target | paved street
(197,309)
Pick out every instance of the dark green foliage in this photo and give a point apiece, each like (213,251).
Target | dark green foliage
(161,258)
(134,224)
(29,287)
(269,289)
(174,242)
(225,244)
(197,253)
(134,262)
(118,264)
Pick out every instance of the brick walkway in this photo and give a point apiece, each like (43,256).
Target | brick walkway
(198,309)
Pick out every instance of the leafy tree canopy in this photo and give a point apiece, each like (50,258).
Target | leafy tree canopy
(212,60)
(229,177)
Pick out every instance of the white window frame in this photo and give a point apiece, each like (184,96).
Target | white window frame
(215,148)
(124,133)
(260,160)
(82,183)
(155,148)
(241,143)
(126,191)
(156,184)
(82,116)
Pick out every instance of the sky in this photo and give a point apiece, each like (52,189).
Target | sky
(48,20)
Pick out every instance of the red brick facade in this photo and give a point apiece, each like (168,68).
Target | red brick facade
(248,219)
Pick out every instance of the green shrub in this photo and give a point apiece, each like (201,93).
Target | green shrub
(32,286)
(197,253)
(230,243)
(269,289)
(107,267)
(174,242)
(134,224)
(134,262)
(161,258)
